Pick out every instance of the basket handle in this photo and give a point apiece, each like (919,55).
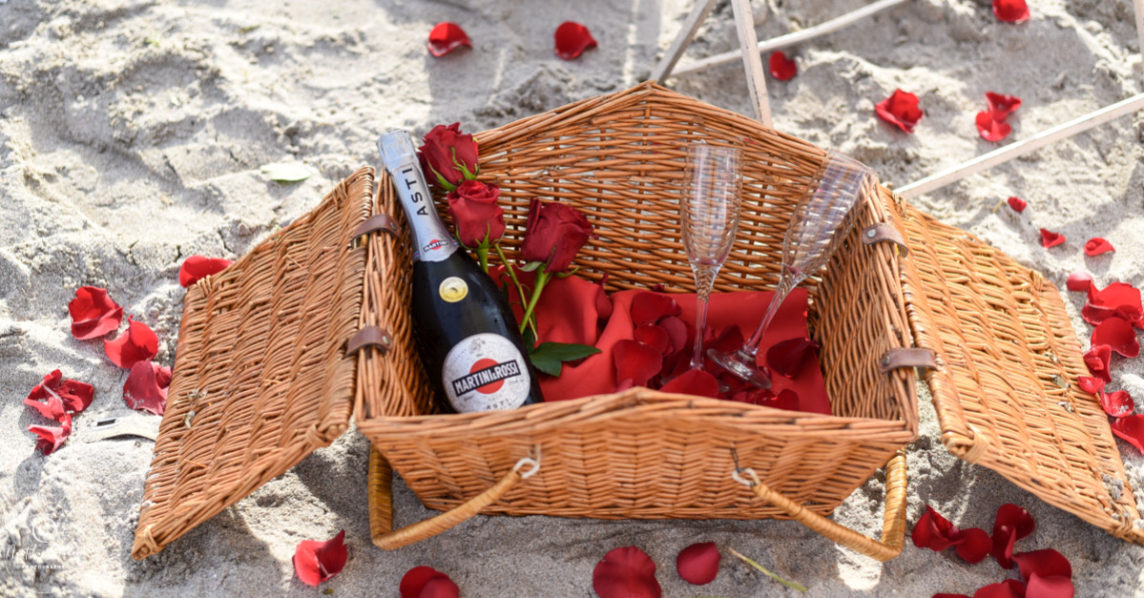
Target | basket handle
(381,504)
(893,524)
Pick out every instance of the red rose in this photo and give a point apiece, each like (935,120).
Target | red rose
(449,157)
(553,235)
(476,213)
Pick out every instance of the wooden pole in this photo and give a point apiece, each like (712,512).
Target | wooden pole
(752,62)
(698,14)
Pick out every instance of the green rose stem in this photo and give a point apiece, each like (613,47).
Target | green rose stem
(515,282)
(790,584)
(483,254)
(541,279)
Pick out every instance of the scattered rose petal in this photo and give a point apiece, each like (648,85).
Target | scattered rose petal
(146,387)
(1010,588)
(786,399)
(933,531)
(198,266)
(1118,299)
(1117,404)
(1131,430)
(648,308)
(901,110)
(1118,334)
(626,572)
(653,336)
(990,128)
(1049,586)
(315,562)
(699,563)
(427,582)
(636,362)
(1096,246)
(52,408)
(446,37)
(973,545)
(1079,281)
(1002,105)
(1011,524)
(1043,562)
(1011,11)
(138,343)
(790,356)
(572,39)
(1051,239)
(1017,204)
(73,394)
(1098,359)
(93,313)
(1090,384)
(781,67)
(676,333)
(694,382)
(52,438)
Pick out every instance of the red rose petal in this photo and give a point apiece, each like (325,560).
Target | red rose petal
(648,308)
(786,399)
(1002,105)
(790,356)
(315,562)
(1131,430)
(973,545)
(636,362)
(990,127)
(1051,239)
(1098,359)
(75,396)
(51,408)
(1011,524)
(93,313)
(1096,246)
(699,563)
(933,531)
(416,579)
(1090,384)
(1043,562)
(51,438)
(626,572)
(138,343)
(1079,281)
(198,266)
(900,109)
(439,587)
(572,39)
(1010,588)
(146,387)
(446,37)
(781,67)
(1117,404)
(676,332)
(694,382)
(653,336)
(1119,334)
(1050,586)
(1011,11)
(1017,204)
(1117,299)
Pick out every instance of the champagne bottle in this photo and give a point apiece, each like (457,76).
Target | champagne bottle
(466,333)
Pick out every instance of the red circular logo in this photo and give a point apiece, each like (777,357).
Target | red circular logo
(491,387)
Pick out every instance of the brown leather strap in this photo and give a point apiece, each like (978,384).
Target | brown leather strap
(370,336)
(375,223)
(907,357)
(883,232)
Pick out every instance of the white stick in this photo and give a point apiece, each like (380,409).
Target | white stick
(790,39)
(698,14)
(1020,148)
(752,62)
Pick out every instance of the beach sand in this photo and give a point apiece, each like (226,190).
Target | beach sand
(132,134)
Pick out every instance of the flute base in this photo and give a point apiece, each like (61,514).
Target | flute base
(742,365)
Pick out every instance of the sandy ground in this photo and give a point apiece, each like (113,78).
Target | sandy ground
(131,136)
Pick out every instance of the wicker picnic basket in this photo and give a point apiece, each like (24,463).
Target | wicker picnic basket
(276,352)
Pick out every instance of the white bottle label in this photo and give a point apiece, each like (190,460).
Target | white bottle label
(484,372)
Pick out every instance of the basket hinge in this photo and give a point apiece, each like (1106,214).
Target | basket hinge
(883,232)
(376,223)
(370,336)
(907,357)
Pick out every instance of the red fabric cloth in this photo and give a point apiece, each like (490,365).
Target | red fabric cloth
(568,313)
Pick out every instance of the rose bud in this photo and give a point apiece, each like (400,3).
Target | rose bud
(553,235)
(475,212)
(450,156)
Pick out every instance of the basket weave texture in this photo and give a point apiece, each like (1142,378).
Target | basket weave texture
(643,453)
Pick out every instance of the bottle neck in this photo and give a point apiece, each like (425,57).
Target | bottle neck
(431,239)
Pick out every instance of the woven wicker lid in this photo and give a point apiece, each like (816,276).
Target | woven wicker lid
(1006,388)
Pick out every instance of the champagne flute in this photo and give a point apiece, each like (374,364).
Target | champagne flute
(814,232)
(710,217)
